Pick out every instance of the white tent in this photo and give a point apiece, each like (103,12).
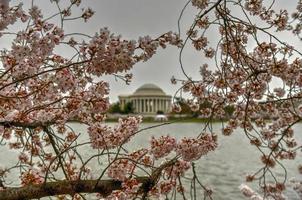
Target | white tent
(161,118)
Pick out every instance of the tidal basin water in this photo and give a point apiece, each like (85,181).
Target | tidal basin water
(222,170)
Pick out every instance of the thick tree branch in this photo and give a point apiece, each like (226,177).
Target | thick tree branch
(104,187)
(32,125)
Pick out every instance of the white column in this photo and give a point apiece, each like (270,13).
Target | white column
(149,105)
(159,107)
(153,105)
(133,104)
(167,105)
(141,106)
(162,105)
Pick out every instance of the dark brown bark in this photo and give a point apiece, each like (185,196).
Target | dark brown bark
(104,187)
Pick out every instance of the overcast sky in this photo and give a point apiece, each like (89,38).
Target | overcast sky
(134,18)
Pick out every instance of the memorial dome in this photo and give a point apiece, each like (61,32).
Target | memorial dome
(147,99)
(149,89)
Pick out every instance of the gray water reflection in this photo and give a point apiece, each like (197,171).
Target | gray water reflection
(223,170)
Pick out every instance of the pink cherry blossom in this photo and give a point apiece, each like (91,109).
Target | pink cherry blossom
(162,146)
(191,149)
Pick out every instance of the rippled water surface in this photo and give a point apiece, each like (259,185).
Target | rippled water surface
(223,170)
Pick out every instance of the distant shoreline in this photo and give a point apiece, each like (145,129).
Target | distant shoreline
(172,120)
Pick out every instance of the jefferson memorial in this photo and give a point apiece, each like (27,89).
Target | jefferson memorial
(147,99)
